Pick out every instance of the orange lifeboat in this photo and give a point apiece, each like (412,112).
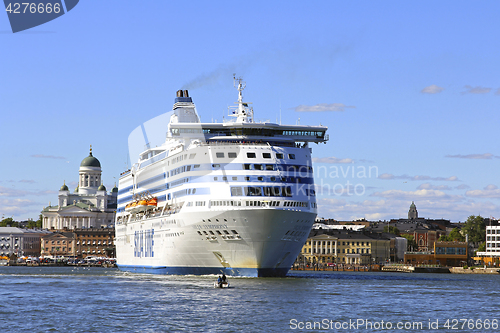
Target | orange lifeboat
(142,204)
(128,206)
(152,202)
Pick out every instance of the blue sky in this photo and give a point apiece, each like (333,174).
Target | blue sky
(410,90)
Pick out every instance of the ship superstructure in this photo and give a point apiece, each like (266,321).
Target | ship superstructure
(235,197)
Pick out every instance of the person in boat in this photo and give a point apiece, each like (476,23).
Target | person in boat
(219,281)
(224,278)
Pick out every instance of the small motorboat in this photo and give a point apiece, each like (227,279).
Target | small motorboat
(221,284)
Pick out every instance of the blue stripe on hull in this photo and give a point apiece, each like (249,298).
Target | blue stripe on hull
(234,271)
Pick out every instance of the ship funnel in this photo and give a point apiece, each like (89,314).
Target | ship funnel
(183,97)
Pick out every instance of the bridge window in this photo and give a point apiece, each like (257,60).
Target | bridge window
(251,155)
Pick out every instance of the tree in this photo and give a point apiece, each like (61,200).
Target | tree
(392,230)
(411,245)
(35,224)
(475,228)
(454,236)
(8,222)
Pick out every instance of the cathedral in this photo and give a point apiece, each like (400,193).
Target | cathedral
(412,213)
(90,206)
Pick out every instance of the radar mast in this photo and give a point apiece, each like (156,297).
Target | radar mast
(243,113)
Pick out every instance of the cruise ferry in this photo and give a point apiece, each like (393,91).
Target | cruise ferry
(235,197)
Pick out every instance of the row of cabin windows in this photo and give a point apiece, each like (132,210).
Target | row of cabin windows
(254,155)
(230,155)
(295,204)
(246,132)
(303,169)
(218,232)
(225,203)
(268,191)
(268,167)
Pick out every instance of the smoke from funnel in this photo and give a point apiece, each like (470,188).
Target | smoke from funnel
(224,72)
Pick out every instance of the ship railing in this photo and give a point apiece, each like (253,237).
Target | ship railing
(252,143)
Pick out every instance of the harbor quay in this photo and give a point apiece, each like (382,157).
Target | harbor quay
(63,261)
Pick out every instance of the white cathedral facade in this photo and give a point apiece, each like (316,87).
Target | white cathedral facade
(90,206)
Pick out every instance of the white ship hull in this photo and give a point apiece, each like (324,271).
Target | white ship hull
(260,247)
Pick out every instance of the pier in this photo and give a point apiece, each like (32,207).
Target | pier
(415,269)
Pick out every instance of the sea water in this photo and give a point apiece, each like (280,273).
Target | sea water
(78,299)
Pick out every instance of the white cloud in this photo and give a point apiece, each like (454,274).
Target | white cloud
(476,90)
(333,160)
(490,191)
(462,187)
(389,176)
(418,194)
(12,192)
(323,107)
(340,190)
(16,207)
(342,209)
(432,89)
(429,186)
(485,156)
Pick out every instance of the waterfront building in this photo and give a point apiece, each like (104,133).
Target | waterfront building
(359,222)
(492,254)
(96,242)
(354,227)
(20,242)
(444,253)
(90,206)
(58,244)
(81,243)
(328,247)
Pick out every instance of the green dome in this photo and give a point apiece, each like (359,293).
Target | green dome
(115,189)
(64,188)
(101,188)
(90,161)
(76,189)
